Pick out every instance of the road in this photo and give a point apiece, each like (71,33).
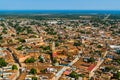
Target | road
(37,29)
(16,62)
(7,26)
(106,17)
(58,75)
(98,65)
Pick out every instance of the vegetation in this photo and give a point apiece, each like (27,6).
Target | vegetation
(50,31)
(40,59)
(33,71)
(19,29)
(2,63)
(99,46)
(4,31)
(107,69)
(21,40)
(57,44)
(77,44)
(74,75)
(116,76)
(82,32)
(14,67)
(118,61)
(1,37)
(19,48)
(91,59)
(45,48)
(30,60)
(54,60)
(34,78)
(43,71)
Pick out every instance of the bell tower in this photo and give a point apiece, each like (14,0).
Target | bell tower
(53,47)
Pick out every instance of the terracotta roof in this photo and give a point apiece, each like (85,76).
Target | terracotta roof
(66,73)
(91,67)
(54,54)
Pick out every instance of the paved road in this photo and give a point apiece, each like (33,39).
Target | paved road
(98,65)
(58,75)
(16,62)
(106,17)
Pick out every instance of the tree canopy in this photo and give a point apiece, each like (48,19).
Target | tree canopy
(2,62)
(14,67)
(30,60)
(33,71)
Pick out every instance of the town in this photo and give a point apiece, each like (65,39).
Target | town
(60,47)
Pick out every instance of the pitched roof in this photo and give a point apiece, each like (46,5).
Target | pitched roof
(91,67)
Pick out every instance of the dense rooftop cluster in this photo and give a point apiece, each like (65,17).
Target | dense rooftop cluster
(44,47)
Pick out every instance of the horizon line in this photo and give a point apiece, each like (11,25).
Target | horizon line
(57,9)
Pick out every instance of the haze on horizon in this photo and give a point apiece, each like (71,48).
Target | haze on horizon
(59,5)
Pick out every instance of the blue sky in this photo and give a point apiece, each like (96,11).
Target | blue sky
(59,4)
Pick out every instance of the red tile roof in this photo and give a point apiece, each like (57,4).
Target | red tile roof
(66,73)
(91,67)
(54,54)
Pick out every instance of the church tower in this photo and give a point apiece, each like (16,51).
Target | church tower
(53,47)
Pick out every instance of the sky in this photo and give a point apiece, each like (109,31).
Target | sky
(59,4)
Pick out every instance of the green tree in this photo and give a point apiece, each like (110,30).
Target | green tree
(40,59)
(30,60)
(107,69)
(57,44)
(43,71)
(82,32)
(2,62)
(4,31)
(1,37)
(99,46)
(77,44)
(118,61)
(21,40)
(54,60)
(117,76)
(47,48)
(34,78)
(91,59)
(19,48)
(33,71)
(74,75)
(14,67)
